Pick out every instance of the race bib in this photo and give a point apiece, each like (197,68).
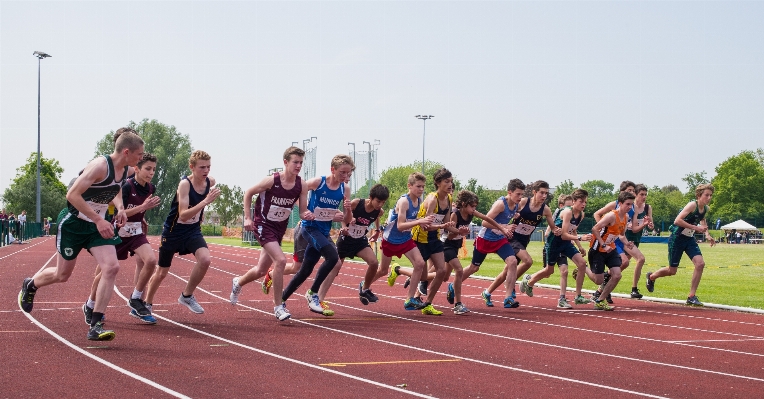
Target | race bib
(610,239)
(499,232)
(193,220)
(357,231)
(437,218)
(524,229)
(324,214)
(278,214)
(99,209)
(639,224)
(130,229)
(688,232)
(572,229)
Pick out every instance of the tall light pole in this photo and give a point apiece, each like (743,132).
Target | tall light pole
(40,55)
(424,119)
(355,186)
(368,164)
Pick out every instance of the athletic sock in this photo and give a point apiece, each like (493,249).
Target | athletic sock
(136,294)
(186,296)
(90,303)
(97,316)
(633,289)
(562,296)
(31,287)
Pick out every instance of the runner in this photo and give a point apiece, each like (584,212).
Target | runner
(602,248)
(558,248)
(634,228)
(397,240)
(492,240)
(182,233)
(276,196)
(682,239)
(82,226)
(328,192)
(137,197)
(532,210)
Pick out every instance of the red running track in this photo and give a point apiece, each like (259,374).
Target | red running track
(642,349)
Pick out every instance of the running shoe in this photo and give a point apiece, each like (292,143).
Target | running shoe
(580,300)
(635,294)
(524,283)
(267,282)
(602,305)
(150,307)
(430,310)
(372,298)
(392,276)
(26,296)
(650,284)
(362,294)
(563,304)
(88,312)
(510,302)
(595,296)
(422,287)
(413,304)
(325,307)
(487,298)
(235,291)
(313,303)
(97,333)
(609,299)
(450,293)
(694,301)
(407,283)
(148,319)
(459,308)
(281,312)
(190,303)
(138,306)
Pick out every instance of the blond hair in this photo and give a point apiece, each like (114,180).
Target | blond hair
(703,187)
(198,155)
(416,176)
(342,159)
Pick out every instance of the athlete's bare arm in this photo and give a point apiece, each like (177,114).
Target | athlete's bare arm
(605,209)
(404,224)
(258,188)
(95,171)
(604,222)
(550,222)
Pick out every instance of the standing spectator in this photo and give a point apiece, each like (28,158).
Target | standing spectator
(46,226)
(22,226)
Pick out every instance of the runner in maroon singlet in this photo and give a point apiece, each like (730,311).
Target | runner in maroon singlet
(137,197)
(277,196)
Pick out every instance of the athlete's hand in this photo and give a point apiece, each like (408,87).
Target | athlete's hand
(630,245)
(249,225)
(338,217)
(151,202)
(426,221)
(582,250)
(344,231)
(307,215)
(105,228)
(448,224)
(701,229)
(374,236)
(464,230)
(507,231)
(586,237)
(211,196)
(608,249)
(346,204)
(712,241)
(557,231)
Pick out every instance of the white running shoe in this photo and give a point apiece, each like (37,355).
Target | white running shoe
(313,302)
(235,291)
(281,312)
(191,303)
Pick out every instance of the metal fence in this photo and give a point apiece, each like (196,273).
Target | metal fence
(15,232)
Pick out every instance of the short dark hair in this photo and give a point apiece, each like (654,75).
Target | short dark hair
(580,193)
(440,175)
(123,130)
(515,184)
(626,184)
(147,157)
(466,197)
(539,184)
(640,187)
(379,192)
(625,196)
(293,151)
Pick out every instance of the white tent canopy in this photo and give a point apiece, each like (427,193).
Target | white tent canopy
(740,225)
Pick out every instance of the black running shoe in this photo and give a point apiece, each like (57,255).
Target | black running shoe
(650,284)
(97,333)
(372,298)
(88,314)
(635,294)
(407,283)
(362,294)
(26,296)
(609,299)
(422,288)
(139,306)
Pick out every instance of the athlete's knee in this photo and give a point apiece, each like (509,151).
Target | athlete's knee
(373,263)
(615,275)
(672,271)
(563,270)
(700,264)
(203,261)
(280,264)
(62,276)
(161,272)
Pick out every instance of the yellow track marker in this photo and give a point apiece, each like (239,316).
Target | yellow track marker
(392,362)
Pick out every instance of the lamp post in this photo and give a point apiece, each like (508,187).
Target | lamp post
(304,142)
(40,55)
(354,180)
(368,164)
(274,170)
(424,119)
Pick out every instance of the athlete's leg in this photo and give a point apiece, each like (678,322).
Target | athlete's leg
(440,274)
(469,270)
(270,254)
(106,256)
(416,260)
(329,280)
(699,264)
(154,282)
(583,272)
(526,261)
(456,266)
(94,285)
(640,258)
(511,271)
(145,265)
(498,281)
(202,256)
(615,277)
(384,269)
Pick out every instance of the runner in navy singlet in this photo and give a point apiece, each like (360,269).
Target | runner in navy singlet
(182,233)
(276,196)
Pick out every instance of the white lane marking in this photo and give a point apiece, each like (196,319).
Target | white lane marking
(717,340)
(23,249)
(277,356)
(408,347)
(96,358)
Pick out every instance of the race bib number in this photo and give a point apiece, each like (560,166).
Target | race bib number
(130,229)
(437,218)
(688,232)
(499,232)
(524,229)
(99,209)
(610,239)
(324,214)
(357,231)
(572,229)
(193,220)
(639,224)
(278,214)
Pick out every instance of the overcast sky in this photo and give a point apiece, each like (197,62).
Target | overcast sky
(611,90)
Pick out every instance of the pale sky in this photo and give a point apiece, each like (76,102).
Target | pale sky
(611,90)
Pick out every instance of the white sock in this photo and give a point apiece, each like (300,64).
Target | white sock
(136,294)
(90,303)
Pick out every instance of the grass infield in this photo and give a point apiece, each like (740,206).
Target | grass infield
(733,274)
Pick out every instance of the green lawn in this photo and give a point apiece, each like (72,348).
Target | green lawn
(733,275)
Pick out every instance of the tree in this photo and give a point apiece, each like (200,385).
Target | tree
(486,197)
(172,150)
(229,205)
(666,202)
(396,179)
(600,194)
(739,184)
(760,156)
(567,187)
(22,193)
(667,189)
(694,180)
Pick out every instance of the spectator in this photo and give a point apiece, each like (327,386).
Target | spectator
(46,226)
